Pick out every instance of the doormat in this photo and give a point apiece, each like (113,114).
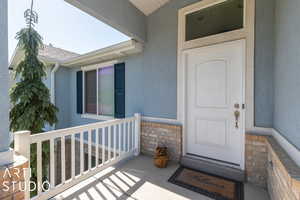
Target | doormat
(215,187)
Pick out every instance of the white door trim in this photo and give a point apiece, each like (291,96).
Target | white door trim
(246,33)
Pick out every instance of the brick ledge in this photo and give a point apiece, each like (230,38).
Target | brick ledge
(287,164)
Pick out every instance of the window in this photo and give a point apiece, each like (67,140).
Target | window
(223,17)
(90,92)
(99,91)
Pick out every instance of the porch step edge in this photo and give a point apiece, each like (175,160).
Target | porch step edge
(196,163)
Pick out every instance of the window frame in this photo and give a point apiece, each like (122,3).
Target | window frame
(211,39)
(96,67)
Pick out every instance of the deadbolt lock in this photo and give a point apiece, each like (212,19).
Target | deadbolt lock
(237,106)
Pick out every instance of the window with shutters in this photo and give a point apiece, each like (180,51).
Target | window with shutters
(99,91)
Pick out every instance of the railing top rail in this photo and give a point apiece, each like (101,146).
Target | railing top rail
(77,129)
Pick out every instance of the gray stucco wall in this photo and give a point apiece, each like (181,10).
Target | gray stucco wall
(151,77)
(159,64)
(264,45)
(62,97)
(4,79)
(287,70)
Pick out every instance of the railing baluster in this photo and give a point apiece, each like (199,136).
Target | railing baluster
(63,160)
(39,167)
(128,146)
(81,153)
(52,167)
(103,145)
(124,137)
(97,147)
(115,141)
(73,155)
(119,133)
(90,149)
(109,143)
(132,133)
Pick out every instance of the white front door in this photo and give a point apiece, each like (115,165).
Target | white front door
(215,95)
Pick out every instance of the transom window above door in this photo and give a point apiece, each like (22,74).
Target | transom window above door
(226,16)
(214,21)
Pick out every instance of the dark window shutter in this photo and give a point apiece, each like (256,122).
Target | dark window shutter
(79,89)
(120,90)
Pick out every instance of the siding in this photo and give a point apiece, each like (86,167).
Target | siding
(287,70)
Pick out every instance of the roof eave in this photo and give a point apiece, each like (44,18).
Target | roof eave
(109,53)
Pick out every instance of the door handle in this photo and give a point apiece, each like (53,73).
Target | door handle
(237,115)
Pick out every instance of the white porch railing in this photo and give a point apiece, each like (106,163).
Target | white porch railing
(112,142)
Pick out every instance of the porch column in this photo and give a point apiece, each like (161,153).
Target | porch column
(5,153)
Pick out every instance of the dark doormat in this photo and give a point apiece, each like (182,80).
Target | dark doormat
(209,185)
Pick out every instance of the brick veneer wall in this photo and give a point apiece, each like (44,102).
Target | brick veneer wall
(256,160)
(154,134)
(283,174)
(269,166)
(11,179)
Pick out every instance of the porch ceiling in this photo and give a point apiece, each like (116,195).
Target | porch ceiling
(148,6)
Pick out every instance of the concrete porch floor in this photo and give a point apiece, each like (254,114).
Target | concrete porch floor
(138,179)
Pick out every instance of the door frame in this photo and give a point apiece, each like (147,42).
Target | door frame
(247,33)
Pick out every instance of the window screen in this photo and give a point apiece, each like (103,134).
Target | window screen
(90,92)
(220,18)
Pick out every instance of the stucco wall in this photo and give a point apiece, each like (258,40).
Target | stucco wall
(287,70)
(159,64)
(264,45)
(151,77)
(62,97)
(4,79)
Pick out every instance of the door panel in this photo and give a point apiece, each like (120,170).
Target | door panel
(214,86)
(217,130)
(211,84)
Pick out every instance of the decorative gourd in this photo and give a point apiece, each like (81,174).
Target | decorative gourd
(161,157)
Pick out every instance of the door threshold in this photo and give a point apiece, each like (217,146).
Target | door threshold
(216,161)
(233,172)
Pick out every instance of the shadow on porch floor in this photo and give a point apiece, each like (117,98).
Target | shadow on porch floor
(138,179)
